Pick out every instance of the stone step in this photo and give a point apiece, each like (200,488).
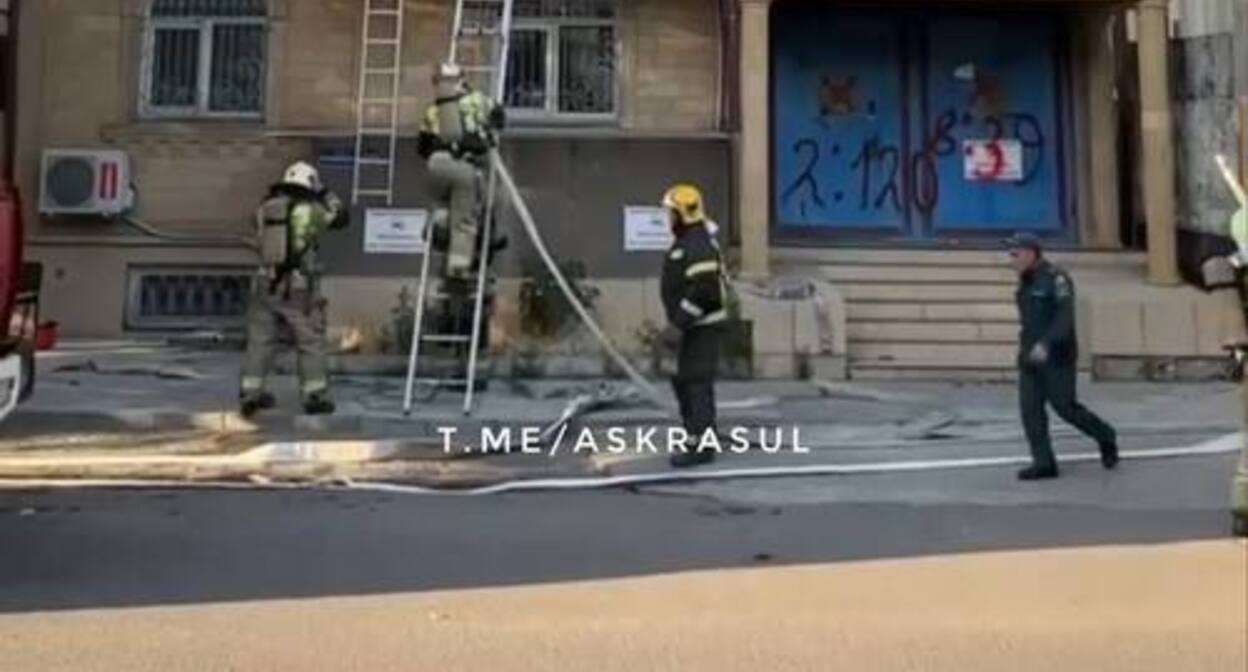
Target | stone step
(998,333)
(1000,312)
(977,275)
(958,293)
(939,355)
(990,256)
(917,371)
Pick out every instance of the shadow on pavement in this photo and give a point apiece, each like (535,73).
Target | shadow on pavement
(102,549)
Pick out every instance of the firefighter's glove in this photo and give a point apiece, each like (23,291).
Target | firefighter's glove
(1039,354)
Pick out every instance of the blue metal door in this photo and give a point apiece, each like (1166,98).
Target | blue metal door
(839,122)
(887,125)
(992,133)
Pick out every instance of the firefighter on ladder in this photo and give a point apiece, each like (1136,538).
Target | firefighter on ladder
(286,293)
(458,131)
(694,290)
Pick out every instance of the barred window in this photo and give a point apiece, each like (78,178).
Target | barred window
(205,58)
(563,58)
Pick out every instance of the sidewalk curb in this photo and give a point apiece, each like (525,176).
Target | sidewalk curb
(35,421)
(414,463)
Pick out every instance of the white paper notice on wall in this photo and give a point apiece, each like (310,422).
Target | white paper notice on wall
(993,160)
(646,229)
(390,231)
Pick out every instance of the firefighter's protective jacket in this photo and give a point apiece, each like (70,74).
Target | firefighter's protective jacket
(694,286)
(479,119)
(291,221)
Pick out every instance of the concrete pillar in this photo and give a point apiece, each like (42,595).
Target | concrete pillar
(1157,126)
(1096,47)
(753,163)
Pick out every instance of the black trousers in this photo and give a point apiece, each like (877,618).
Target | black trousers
(1054,385)
(694,383)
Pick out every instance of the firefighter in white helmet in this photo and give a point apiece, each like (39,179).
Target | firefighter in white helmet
(286,293)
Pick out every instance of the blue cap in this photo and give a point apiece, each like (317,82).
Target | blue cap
(1024,241)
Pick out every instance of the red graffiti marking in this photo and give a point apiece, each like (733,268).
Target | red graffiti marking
(992,168)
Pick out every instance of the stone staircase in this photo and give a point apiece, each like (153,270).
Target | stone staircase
(928,314)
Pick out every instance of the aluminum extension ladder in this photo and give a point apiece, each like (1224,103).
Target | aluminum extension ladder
(480,36)
(377,102)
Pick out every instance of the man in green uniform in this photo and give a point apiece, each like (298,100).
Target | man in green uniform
(286,293)
(1048,355)
(457,133)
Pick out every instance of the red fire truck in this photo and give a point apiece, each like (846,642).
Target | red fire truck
(16,351)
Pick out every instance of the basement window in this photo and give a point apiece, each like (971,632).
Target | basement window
(204,58)
(172,297)
(562,60)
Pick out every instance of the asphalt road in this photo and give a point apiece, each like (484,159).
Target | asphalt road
(74,563)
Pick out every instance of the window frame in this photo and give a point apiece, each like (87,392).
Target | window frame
(205,27)
(553,28)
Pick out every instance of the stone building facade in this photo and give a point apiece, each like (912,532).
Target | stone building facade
(851,142)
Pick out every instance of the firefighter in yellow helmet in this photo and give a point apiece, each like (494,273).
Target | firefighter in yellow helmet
(456,136)
(694,289)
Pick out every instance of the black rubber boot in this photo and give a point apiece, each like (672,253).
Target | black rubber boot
(1109,455)
(318,406)
(252,404)
(692,458)
(1038,473)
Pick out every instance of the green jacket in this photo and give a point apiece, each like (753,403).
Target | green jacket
(1046,311)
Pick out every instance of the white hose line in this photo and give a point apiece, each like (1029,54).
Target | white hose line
(1228,444)
(1232,183)
(522,209)
(241,240)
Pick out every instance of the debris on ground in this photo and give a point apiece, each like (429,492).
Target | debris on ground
(928,427)
(853,392)
(161,371)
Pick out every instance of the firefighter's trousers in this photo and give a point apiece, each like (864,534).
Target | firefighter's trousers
(694,382)
(457,185)
(298,318)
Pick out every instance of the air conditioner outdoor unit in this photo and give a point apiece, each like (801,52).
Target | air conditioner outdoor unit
(85,182)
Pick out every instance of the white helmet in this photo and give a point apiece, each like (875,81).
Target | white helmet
(449,71)
(303,175)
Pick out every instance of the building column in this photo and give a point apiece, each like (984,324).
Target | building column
(753,163)
(1157,126)
(1103,212)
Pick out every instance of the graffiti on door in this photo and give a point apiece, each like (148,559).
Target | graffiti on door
(857,148)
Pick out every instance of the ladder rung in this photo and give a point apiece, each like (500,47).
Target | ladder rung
(441,381)
(389,72)
(479,30)
(446,338)
(376,130)
(479,68)
(384,41)
(384,12)
(370,161)
(372,192)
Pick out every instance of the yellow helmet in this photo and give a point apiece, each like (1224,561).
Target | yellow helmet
(686,201)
